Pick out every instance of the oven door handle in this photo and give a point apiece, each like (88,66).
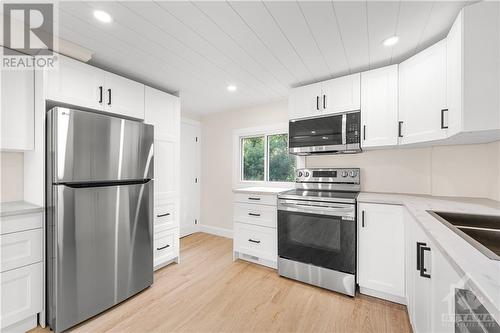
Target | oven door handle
(334,211)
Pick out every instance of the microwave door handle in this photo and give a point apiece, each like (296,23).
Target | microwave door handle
(344,129)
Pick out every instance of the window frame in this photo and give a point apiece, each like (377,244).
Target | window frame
(265,131)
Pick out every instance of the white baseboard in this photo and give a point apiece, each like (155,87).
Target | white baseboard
(223,232)
(382,295)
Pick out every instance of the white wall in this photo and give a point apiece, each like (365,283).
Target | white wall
(12,177)
(466,170)
(216,157)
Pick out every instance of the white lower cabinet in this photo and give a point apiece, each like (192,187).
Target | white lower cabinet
(21,294)
(256,241)
(381,270)
(398,261)
(166,246)
(255,228)
(21,271)
(431,283)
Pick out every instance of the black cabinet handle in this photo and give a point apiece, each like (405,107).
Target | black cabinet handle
(253,214)
(442,119)
(317,103)
(419,244)
(364,132)
(163,247)
(324,101)
(422,262)
(100,94)
(109,96)
(162,215)
(400,130)
(255,199)
(254,241)
(362,218)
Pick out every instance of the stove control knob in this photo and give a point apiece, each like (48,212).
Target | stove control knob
(353,173)
(344,173)
(299,174)
(306,173)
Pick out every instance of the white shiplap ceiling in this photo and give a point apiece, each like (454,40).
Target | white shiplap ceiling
(264,48)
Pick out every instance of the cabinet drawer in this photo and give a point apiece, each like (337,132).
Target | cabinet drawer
(22,222)
(260,199)
(20,249)
(21,293)
(166,246)
(255,214)
(165,216)
(256,241)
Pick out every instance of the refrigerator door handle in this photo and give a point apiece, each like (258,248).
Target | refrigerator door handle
(102,184)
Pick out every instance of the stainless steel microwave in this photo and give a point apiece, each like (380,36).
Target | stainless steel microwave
(332,134)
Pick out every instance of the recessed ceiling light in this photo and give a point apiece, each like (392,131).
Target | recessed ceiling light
(231,88)
(390,41)
(102,16)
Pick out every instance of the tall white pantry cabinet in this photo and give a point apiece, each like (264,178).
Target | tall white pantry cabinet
(163,111)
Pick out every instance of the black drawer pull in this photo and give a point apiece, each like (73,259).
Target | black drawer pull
(162,215)
(419,245)
(100,94)
(109,96)
(443,126)
(254,241)
(256,199)
(163,247)
(423,270)
(400,129)
(253,214)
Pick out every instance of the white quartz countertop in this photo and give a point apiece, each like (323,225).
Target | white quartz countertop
(481,274)
(18,208)
(261,190)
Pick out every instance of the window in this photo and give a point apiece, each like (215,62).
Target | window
(265,158)
(253,158)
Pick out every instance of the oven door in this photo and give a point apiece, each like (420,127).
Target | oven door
(317,233)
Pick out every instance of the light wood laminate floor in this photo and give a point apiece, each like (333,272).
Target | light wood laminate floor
(208,292)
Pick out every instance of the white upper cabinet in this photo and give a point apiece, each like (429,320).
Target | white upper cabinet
(382,251)
(162,110)
(17,109)
(341,94)
(305,101)
(473,71)
(76,83)
(422,95)
(327,97)
(123,96)
(379,107)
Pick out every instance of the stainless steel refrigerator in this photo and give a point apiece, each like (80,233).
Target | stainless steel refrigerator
(99,172)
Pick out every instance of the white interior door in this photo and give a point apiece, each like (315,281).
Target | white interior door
(190,176)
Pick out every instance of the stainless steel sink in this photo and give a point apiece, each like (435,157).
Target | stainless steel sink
(481,231)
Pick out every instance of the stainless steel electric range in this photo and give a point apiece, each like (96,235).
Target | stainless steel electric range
(317,229)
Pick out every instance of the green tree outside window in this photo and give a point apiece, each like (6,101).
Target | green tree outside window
(281,165)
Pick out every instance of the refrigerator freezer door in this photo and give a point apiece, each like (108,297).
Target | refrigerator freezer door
(93,147)
(101,244)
